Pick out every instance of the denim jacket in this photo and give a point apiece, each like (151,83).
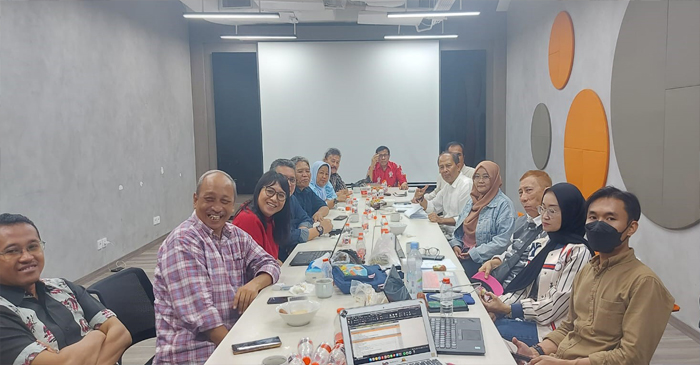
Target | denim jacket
(493,230)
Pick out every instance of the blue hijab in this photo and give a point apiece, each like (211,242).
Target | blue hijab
(324,192)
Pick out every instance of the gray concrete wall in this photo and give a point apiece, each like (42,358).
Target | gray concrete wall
(488,34)
(95,95)
(673,255)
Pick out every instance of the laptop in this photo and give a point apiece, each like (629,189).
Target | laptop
(387,334)
(304,258)
(457,336)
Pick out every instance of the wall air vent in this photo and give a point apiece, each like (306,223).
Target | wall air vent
(235,4)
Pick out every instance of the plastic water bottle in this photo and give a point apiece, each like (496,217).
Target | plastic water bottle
(361,248)
(346,239)
(294,359)
(306,350)
(414,274)
(384,220)
(338,355)
(337,332)
(385,228)
(322,354)
(446,304)
(365,221)
(327,268)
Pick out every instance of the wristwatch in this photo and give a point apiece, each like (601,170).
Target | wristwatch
(319,228)
(335,201)
(539,349)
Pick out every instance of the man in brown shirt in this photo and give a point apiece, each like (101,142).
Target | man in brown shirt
(619,308)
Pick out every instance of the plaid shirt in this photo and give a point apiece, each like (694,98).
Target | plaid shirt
(196,279)
(337,182)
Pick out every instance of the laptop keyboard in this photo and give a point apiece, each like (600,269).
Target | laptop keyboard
(444,332)
(427,362)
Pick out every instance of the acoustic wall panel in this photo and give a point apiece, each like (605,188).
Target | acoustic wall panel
(541,136)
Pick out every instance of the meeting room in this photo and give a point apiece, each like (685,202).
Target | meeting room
(333,182)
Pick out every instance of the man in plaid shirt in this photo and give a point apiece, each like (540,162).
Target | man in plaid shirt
(208,273)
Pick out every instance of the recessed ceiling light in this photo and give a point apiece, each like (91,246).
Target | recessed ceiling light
(231,15)
(407,37)
(431,14)
(260,37)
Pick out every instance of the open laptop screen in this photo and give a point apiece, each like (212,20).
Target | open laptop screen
(387,334)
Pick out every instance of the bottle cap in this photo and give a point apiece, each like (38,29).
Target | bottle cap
(325,259)
(414,244)
(307,360)
(445,280)
(339,310)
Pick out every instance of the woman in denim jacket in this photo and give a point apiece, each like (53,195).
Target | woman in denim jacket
(486,223)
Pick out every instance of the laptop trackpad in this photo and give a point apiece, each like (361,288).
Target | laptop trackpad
(471,335)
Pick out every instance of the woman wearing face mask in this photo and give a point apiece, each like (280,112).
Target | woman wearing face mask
(539,295)
(320,171)
(266,217)
(486,223)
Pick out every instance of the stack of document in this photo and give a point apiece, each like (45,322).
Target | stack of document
(416,212)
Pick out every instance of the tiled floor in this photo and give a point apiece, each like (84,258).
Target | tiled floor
(675,348)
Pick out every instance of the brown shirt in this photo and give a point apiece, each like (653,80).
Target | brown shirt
(617,314)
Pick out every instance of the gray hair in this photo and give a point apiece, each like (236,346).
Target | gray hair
(212,172)
(297,159)
(455,157)
(332,152)
(281,162)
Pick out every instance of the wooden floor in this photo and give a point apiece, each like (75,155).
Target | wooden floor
(675,348)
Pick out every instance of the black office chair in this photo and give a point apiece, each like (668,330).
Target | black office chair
(129,294)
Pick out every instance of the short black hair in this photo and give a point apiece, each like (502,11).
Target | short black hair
(382,148)
(455,143)
(455,157)
(282,162)
(8,219)
(632,206)
(332,152)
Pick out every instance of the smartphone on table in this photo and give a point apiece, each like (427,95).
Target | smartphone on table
(340,218)
(257,345)
(277,300)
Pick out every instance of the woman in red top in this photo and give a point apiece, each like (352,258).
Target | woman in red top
(266,217)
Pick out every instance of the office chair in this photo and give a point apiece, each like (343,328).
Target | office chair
(129,294)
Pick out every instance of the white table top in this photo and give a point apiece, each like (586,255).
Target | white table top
(261,321)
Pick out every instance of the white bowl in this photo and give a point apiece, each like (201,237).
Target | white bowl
(306,311)
(397,228)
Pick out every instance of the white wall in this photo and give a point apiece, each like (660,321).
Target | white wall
(94,95)
(673,255)
(354,96)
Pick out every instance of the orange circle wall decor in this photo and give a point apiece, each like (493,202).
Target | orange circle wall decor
(561,50)
(586,143)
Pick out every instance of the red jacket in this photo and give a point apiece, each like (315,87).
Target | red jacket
(249,222)
(392,175)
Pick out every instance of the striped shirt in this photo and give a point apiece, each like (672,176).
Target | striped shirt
(546,300)
(196,279)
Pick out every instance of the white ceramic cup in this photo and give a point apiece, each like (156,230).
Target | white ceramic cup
(395,217)
(324,288)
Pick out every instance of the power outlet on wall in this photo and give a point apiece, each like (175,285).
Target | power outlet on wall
(102,243)
(156,220)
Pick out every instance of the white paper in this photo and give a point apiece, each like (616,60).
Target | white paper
(428,264)
(416,212)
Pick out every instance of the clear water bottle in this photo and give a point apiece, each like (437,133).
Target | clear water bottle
(365,221)
(414,274)
(346,238)
(384,221)
(337,331)
(306,350)
(327,268)
(446,304)
(322,354)
(338,355)
(294,359)
(361,248)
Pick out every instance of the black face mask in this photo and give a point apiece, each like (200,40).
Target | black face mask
(603,237)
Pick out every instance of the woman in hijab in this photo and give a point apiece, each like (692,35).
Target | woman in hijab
(320,172)
(537,300)
(486,223)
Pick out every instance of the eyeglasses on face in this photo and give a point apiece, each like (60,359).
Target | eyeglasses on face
(292,180)
(15,253)
(270,192)
(383,155)
(551,212)
(484,177)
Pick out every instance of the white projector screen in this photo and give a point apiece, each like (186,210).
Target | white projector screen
(355,96)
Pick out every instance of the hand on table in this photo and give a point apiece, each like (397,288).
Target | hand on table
(433,217)
(524,349)
(404,186)
(327,225)
(342,195)
(244,296)
(493,303)
(317,217)
(458,251)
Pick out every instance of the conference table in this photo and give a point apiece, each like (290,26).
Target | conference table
(260,320)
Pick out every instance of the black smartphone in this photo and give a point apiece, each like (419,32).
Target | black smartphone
(340,218)
(519,357)
(277,300)
(265,343)
(434,257)
(335,232)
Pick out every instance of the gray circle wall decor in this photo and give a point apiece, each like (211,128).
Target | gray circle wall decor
(655,109)
(541,136)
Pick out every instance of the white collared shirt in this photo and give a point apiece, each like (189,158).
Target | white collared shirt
(452,198)
(441,183)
